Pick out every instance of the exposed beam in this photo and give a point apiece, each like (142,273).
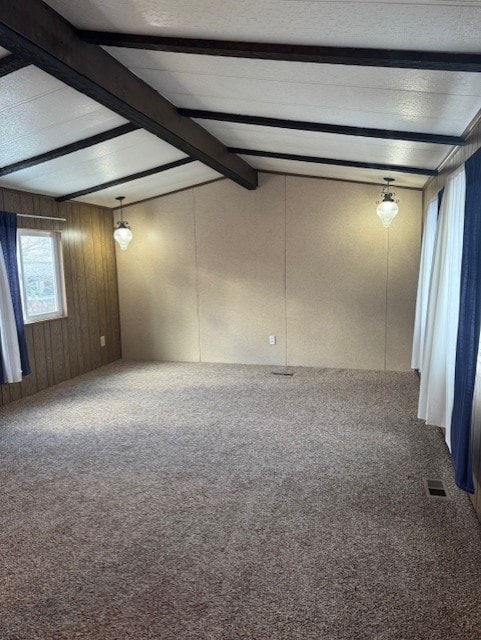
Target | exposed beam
(37,33)
(68,148)
(337,163)
(398,58)
(11,63)
(301,125)
(132,176)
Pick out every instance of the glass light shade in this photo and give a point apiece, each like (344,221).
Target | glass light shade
(387,210)
(123,235)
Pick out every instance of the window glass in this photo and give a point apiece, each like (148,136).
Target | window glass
(41,274)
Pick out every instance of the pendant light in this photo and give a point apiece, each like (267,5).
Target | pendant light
(122,234)
(387,209)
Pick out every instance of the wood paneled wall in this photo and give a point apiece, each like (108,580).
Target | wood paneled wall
(67,347)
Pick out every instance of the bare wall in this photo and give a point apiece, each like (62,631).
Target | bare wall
(213,271)
(67,347)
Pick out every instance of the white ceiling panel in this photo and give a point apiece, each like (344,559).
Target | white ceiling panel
(386,24)
(165,182)
(26,85)
(387,102)
(338,173)
(349,115)
(17,143)
(122,156)
(39,113)
(436,102)
(178,64)
(328,145)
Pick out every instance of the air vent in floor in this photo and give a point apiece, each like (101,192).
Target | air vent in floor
(435,489)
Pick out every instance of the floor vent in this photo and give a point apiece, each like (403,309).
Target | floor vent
(283,373)
(435,489)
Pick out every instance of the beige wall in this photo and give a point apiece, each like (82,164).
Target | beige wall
(214,270)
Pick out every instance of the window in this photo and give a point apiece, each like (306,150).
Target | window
(40,268)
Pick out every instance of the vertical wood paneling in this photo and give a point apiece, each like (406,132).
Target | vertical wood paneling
(90,235)
(99,290)
(65,355)
(41,369)
(74,310)
(68,328)
(99,249)
(29,383)
(63,348)
(112,298)
(83,341)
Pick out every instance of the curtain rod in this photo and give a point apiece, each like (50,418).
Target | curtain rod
(30,215)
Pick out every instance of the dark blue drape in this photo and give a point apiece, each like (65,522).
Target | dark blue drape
(440,199)
(8,240)
(468,330)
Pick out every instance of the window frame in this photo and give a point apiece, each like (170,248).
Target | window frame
(58,264)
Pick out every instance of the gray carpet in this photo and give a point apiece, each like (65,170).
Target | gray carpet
(221,502)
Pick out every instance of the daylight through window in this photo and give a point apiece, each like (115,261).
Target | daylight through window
(41,274)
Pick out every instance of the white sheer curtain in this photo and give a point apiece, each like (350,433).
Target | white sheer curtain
(10,351)
(476,418)
(439,352)
(425,268)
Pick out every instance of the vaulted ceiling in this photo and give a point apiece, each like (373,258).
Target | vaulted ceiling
(144,97)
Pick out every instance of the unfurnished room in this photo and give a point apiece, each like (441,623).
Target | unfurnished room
(240,309)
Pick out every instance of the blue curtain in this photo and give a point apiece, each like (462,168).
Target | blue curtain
(8,240)
(440,199)
(468,329)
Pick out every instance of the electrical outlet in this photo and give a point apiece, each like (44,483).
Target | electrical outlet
(272,339)
(102,341)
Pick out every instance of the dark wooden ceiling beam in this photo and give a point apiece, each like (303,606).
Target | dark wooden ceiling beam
(37,33)
(301,125)
(365,57)
(11,63)
(118,181)
(337,163)
(68,148)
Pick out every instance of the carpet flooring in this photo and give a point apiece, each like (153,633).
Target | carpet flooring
(221,502)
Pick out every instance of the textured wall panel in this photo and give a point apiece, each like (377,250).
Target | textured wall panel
(158,282)
(240,239)
(300,258)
